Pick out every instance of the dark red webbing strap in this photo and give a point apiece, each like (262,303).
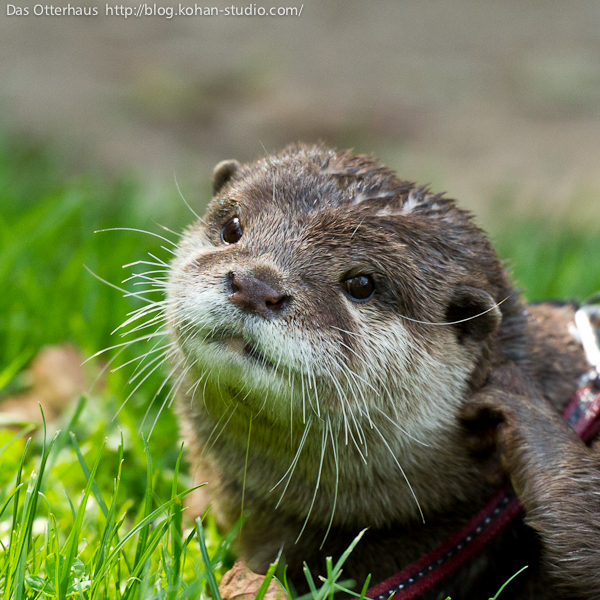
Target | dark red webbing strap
(583,411)
(583,414)
(435,566)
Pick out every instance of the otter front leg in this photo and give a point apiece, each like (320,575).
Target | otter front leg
(556,477)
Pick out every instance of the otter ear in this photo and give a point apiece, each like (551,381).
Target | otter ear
(473,313)
(222,173)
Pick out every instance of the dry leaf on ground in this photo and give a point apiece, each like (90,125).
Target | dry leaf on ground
(240,583)
(56,377)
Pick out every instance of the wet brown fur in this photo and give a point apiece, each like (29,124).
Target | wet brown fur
(311,216)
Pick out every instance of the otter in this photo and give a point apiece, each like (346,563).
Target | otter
(351,353)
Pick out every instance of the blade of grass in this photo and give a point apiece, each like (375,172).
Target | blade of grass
(348,550)
(153,541)
(114,554)
(12,494)
(97,495)
(176,534)
(285,582)
(333,574)
(208,567)
(227,542)
(24,535)
(176,530)
(344,587)
(507,582)
(15,519)
(329,566)
(70,549)
(28,515)
(107,533)
(262,590)
(310,581)
(144,532)
(365,587)
(65,433)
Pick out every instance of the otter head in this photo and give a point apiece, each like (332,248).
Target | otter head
(319,289)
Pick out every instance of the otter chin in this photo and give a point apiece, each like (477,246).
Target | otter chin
(342,341)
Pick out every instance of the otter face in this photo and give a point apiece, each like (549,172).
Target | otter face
(342,315)
(318,283)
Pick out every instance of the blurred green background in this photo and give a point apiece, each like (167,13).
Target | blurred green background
(472,97)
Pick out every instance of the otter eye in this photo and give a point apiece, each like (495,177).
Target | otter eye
(359,288)
(232,231)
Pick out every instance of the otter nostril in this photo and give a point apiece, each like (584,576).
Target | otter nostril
(231,285)
(277,304)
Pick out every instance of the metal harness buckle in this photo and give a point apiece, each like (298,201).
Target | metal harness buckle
(587,322)
(583,412)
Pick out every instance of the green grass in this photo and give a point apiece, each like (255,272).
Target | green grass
(59,543)
(550,261)
(94,511)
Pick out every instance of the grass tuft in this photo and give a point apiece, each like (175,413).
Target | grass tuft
(92,553)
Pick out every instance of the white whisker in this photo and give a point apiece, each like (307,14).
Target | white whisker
(337,478)
(401,471)
(138,231)
(312,503)
(185,201)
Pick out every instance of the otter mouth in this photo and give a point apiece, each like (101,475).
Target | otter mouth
(238,345)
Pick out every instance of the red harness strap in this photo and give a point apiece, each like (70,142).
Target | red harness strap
(583,414)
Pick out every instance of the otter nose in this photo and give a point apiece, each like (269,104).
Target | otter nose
(254,295)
